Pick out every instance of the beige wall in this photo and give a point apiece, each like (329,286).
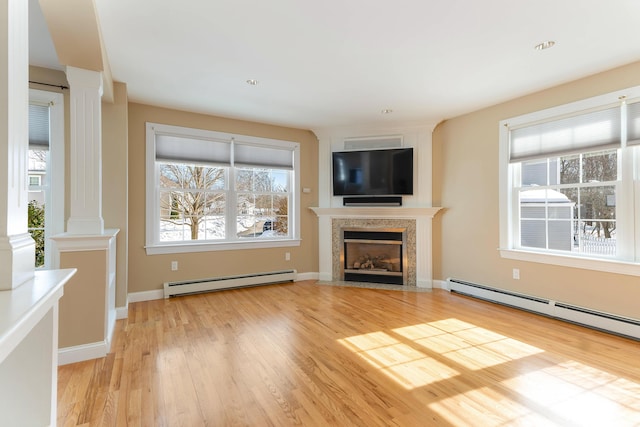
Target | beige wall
(150,272)
(466,169)
(115,180)
(83,305)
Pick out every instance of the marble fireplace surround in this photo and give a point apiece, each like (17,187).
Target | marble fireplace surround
(417,221)
(408,225)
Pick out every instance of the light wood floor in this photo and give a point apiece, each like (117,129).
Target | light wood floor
(318,355)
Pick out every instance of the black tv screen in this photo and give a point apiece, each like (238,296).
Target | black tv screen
(373,172)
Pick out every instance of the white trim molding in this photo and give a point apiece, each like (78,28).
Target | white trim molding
(146,295)
(586,263)
(80,353)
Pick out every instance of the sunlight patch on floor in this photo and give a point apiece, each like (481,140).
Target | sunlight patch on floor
(466,344)
(592,396)
(402,363)
(488,405)
(548,392)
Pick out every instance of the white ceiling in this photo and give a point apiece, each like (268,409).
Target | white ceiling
(335,63)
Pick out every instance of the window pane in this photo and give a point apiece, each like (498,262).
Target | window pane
(261,180)
(249,226)
(600,167)
(214,227)
(569,169)
(532,233)
(280,180)
(281,206)
(534,173)
(560,235)
(593,240)
(596,203)
(244,179)
(531,212)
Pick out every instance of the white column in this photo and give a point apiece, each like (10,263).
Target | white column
(17,249)
(86,152)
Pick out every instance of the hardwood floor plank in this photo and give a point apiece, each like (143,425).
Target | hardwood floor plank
(317,355)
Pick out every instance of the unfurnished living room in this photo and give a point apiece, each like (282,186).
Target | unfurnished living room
(330,213)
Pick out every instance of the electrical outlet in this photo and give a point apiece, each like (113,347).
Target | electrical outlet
(174,265)
(287,256)
(516,273)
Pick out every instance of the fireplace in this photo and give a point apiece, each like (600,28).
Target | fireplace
(377,255)
(417,222)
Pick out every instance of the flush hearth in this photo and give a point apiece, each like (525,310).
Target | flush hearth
(374,255)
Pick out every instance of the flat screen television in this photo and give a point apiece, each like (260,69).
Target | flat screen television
(386,172)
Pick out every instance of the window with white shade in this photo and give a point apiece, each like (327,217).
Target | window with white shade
(569,184)
(211,190)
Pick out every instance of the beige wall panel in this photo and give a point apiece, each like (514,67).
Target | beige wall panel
(466,181)
(150,272)
(115,138)
(75,31)
(82,307)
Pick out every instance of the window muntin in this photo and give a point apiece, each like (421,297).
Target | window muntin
(599,179)
(202,195)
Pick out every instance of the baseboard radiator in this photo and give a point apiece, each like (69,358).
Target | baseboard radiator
(607,322)
(227,282)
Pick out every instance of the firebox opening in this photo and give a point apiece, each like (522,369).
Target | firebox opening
(376,256)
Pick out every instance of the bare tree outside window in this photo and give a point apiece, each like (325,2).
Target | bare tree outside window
(191,194)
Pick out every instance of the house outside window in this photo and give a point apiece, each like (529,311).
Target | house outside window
(34,180)
(568,184)
(212,191)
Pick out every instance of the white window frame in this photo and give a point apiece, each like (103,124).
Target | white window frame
(628,209)
(154,246)
(54,195)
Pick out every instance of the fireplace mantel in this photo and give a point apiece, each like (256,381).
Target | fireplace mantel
(423,234)
(376,212)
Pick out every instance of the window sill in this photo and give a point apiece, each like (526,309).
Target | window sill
(222,246)
(586,263)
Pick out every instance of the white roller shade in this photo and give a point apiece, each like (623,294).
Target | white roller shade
(192,150)
(633,124)
(595,130)
(38,127)
(263,156)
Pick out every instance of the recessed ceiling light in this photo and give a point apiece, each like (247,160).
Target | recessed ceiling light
(387,111)
(545,45)
(252,82)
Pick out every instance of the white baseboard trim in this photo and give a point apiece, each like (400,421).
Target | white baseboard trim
(80,353)
(307,276)
(424,284)
(146,295)
(122,312)
(325,277)
(441,284)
